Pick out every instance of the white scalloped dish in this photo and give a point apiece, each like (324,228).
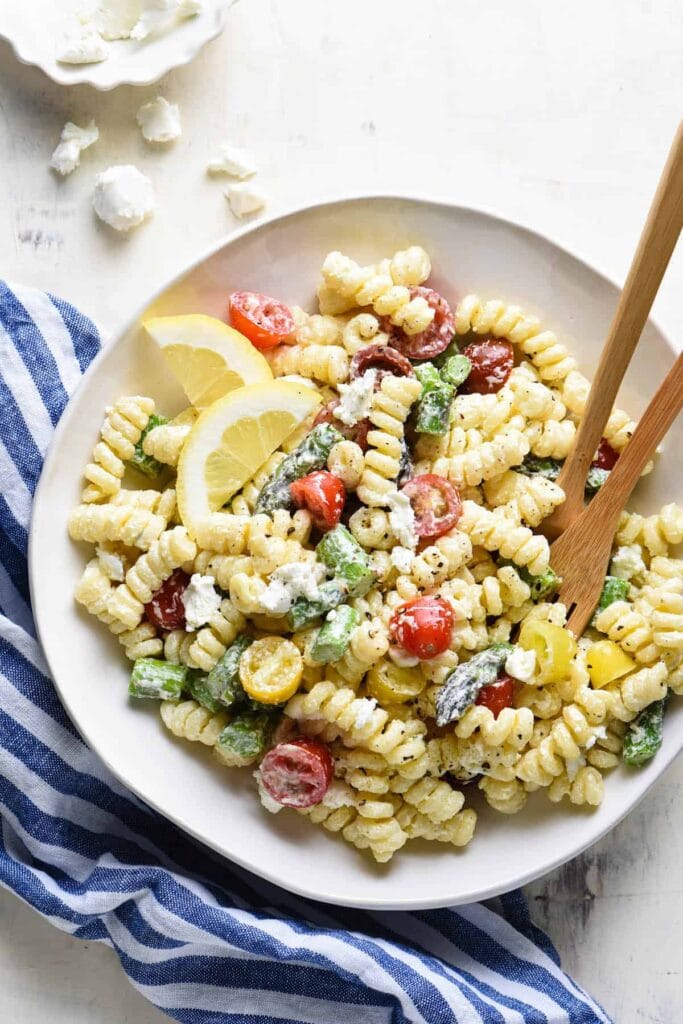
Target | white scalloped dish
(470,251)
(36,29)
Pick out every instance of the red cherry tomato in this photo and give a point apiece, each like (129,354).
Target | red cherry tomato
(492,361)
(423,626)
(297,773)
(605,457)
(264,321)
(323,494)
(435,502)
(358,432)
(166,609)
(433,339)
(383,359)
(497,696)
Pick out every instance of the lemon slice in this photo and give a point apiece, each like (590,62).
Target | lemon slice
(208,357)
(232,439)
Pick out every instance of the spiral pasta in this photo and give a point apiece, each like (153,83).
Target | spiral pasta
(327,363)
(586,786)
(177,646)
(129,524)
(121,431)
(191,721)
(512,727)
(506,797)
(551,439)
(532,497)
(630,629)
(439,561)
(368,643)
(486,460)
(656,533)
(315,329)
(213,640)
(163,503)
(172,549)
(664,610)
(93,591)
(361,330)
(388,413)
(636,691)
(165,442)
(497,531)
(346,461)
(562,742)
(619,427)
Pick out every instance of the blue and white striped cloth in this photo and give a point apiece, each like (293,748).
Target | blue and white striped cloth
(203,940)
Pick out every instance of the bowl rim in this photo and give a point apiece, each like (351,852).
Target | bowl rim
(475,894)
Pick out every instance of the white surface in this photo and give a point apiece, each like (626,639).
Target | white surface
(557,115)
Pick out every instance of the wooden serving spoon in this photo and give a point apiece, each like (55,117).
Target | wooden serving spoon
(581,554)
(657,242)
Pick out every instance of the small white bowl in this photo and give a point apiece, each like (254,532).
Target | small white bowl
(470,251)
(36,28)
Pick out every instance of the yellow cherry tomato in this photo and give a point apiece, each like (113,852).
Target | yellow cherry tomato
(606,662)
(271,670)
(390,684)
(554,646)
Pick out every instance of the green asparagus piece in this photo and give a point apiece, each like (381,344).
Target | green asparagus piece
(144,463)
(595,479)
(535,466)
(613,589)
(311,454)
(433,407)
(463,684)
(198,689)
(456,370)
(452,350)
(223,683)
(644,736)
(158,680)
(341,553)
(244,738)
(330,594)
(335,634)
(542,586)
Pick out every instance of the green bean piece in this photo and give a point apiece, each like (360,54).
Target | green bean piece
(595,479)
(303,611)
(311,454)
(147,464)
(456,370)
(341,553)
(335,635)
(645,735)
(223,681)
(198,689)
(244,738)
(463,684)
(535,466)
(157,680)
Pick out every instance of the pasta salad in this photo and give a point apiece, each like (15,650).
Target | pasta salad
(333,572)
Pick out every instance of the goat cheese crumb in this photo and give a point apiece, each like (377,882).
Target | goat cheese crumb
(521,664)
(573,765)
(401,558)
(297,579)
(402,519)
(338,794)
(201,601)
(238,163)
(159,120)
(155,16)
(115,19)
(245,198)
(356,397)
(84,47)
(401,658)
(627,562)
(364,713)
(123,197)
(72,142)
(266,799)
(112,564)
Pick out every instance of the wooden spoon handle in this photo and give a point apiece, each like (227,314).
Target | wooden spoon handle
(657,242)
(661,412)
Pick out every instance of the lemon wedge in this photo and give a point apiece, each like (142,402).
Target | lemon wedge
(232,439)
(208,357)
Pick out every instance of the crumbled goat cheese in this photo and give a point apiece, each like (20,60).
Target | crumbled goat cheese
(401,558)
(355,399)
(627,562)
(159,120)
(294,378)
(364,713)
(238,163)
(189,8)
(297,579)
(245,198)
(521,664)
(266,799)
(402,658)
(338,795)
(201,601)
(84,47)
(112,564)
(402,519)
(573,764)
(72,142)
(115,19)
(155,16)
(123,197)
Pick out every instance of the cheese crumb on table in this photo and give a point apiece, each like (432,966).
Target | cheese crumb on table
(159,120)
(72,142)
(238,163)
(201,601)
(123,197)
(245,198)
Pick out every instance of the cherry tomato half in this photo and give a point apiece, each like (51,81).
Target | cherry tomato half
(382,358)
(323,494)
(297,773)
(422,627)
(358,432)
(492,361)
(434,339)
(166,609)
(264,321)
(605,457)
(497,696)
(435,502)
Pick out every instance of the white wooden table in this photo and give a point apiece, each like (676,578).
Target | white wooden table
(558,116)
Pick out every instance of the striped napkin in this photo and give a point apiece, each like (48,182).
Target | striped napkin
(204,941)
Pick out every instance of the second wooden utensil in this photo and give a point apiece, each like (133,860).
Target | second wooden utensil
(580,556)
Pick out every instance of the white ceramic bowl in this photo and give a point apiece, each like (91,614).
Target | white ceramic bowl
(470,251)
(35,29)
